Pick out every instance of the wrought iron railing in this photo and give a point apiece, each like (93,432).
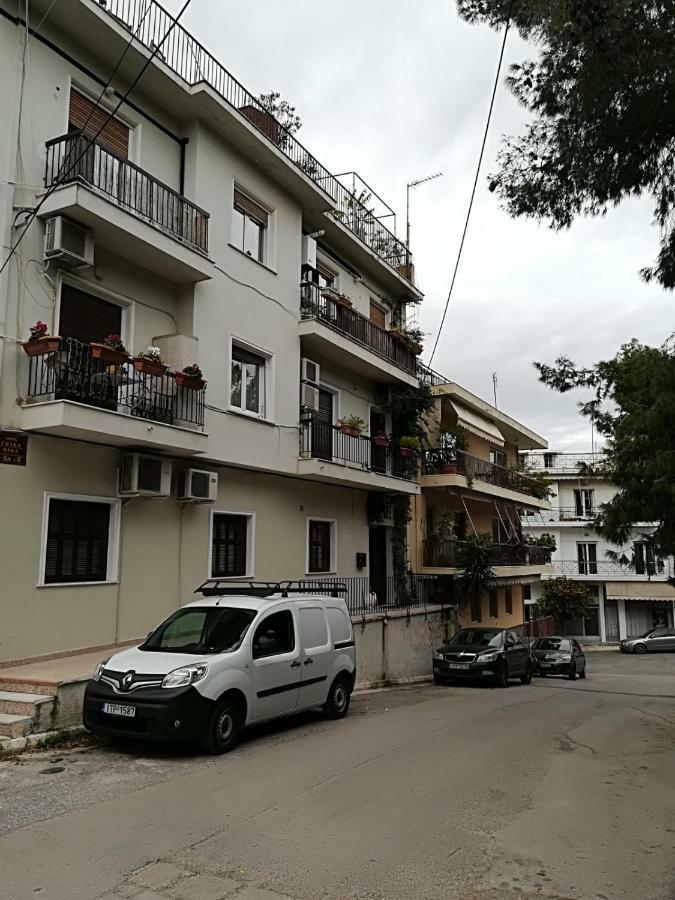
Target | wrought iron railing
(320,440)
(72,157)
(448,554)
(555,461)
(71,373)
(662,568)
(371,594)
(188,59)
(446,462)
(429,376)
(318,303)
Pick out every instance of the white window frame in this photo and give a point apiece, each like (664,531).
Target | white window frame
(112,565)
(250,543)
(269,248)
(333,546)
(267,394)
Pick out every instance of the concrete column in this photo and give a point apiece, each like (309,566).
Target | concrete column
(601,613)
(621,607)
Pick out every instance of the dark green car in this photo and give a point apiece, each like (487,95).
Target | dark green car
(559,656)
(485,654)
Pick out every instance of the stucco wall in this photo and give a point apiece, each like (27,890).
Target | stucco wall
(503,620)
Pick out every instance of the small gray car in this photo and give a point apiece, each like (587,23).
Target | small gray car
(651,642)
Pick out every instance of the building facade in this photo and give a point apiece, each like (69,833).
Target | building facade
(631,587)
(192,222)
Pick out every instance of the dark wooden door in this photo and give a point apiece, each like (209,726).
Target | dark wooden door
(322,427)
(377,547)
(378,455)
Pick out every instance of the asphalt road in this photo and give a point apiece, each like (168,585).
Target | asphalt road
(554,790)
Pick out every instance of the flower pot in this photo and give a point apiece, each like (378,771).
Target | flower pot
(416,349)
(344,302)
(350,430)
(406,451)
(149,366)
(381,440)
(193,382)
(449,468)
(40,346)
(108,354)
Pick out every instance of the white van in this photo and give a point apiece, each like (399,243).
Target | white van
(238,656)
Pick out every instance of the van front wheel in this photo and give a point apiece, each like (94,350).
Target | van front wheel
(224,728)
(337,704)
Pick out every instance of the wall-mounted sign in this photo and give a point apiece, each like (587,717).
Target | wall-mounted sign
(13,448)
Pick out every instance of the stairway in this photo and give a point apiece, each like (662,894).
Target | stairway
(25,707)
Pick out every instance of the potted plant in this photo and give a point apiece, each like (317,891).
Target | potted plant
(409,445)
(381,439)
(351,425)
(191,377)
(453,439)
(40,340)
(149,361)
(110,350)
(344,301)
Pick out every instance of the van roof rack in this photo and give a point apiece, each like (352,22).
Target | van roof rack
(216,587)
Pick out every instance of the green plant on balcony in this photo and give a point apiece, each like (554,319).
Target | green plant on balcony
(351,425)
(191,377)
(110,350)
(409,444)
(149,362)
(474,557)
(410,338)
(544,540)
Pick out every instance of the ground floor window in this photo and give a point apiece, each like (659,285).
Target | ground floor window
(231,545)
(508,601)
(494,603)
(321,545)
(476,609)
(80,539)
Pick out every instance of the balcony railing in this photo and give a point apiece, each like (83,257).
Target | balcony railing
(317,303)
(371,594)
(73,158)
(429,376)
(446,462)
(319,440)
(448,553)
(562,514)
(555,461)
(662,568)
(72,374)
(188,59)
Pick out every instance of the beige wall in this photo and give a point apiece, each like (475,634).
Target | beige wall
(503,620)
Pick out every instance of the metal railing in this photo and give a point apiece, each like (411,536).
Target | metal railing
(71,158)
(318,303)
(320,440)
(556,461)
(560,514)
(188,59)
(430,377)
(662,568)
(448,554)
(72,374)
(372,594)
(445,462)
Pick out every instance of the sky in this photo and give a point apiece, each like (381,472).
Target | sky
(398,91)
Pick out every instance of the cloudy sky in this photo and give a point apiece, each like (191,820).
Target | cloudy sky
(397,91)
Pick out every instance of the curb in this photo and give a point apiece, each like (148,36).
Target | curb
(13,746)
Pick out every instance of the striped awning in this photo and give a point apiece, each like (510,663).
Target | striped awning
(653,591)
(477,424)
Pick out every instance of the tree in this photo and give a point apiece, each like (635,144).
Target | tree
(634,408)
(282,111)
(474,556)
(565,599)
(602,93)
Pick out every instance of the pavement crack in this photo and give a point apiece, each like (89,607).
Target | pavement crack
(654,715)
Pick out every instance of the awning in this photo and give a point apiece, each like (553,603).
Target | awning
(477,424)
(653,591)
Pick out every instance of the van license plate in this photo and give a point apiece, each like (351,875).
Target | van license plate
(458,665)
(116,709)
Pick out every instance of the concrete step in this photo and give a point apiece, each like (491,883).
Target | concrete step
(19,703)
(28,686)
(15,726)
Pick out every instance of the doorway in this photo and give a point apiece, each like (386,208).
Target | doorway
(322,427)
(377,549)
(378,455)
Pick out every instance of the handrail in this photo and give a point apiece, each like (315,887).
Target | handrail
(436,460)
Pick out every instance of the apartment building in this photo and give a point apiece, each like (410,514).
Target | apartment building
(191,222)
(471,485)
(631,586)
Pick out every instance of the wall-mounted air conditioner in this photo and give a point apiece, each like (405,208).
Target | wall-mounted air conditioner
(68,243)
(197,486)
(309,397)
(308,251)
(310,371)
(144,476)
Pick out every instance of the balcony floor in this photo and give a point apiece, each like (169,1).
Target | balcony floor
(354,476)
(514,573)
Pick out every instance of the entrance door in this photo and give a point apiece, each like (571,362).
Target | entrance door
(322,427)
(377,547)
(378,455)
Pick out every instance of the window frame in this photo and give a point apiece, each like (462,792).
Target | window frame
(493,609)
(113,555)
(265,240)
(332,569)
(266,395)
(254,656)
(250,543)
(508,600)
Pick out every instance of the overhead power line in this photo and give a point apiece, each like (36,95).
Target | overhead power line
(475,181)
(60,180)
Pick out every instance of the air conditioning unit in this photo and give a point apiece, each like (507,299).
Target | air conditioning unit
(310,397)
(310,371)
(68,243)
(144,476)
(197,486)
(308,251)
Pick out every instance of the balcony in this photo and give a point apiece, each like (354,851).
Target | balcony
(71,394)
(447,468)
(345,336)
(569,515)
(130,211)
(327,454)
(446,554)
(566,463)
(660,569)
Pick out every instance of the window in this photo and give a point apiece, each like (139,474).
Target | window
(274,635)
(87,318)
(323,276)
(476,609)
(87,115)
(494,603)
(498,458)
(80,540)
(583,502)
(249,226)
(377,315)
(231,545)
(320,549)
(508,601)
(587,559)
(313,627)
(247,382)
(527,592)
(549,460)
(340,627)
(644,559)
(500,533)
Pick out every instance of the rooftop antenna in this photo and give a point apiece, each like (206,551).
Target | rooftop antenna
(411,185)
(494,387)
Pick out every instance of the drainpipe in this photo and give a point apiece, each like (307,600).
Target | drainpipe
(181,175)
(601,613)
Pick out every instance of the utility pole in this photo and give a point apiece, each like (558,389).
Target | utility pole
(494,387)
(411,185)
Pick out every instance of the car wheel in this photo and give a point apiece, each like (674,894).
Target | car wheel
(582,674)
(337,705)
(224,728)
(640,648)
(526,677)
(572,674)
(502,676)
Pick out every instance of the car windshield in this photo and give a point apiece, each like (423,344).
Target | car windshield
(477,637)
(210,629)
(552,644)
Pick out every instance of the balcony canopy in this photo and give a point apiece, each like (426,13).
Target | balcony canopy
(477,424)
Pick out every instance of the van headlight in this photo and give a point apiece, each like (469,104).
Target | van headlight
(98,671)
(184,676)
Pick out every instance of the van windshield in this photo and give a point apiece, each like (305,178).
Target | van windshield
(210,629)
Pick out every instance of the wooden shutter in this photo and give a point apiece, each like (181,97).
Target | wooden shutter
(77,541)
(250,208)
(115,134)
(228,549)
(87,318)
(377,315)
(319,546)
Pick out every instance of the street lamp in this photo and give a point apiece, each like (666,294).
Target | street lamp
(408,187)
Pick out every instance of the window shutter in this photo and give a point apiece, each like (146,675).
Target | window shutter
(228,550)
(251,208)
(377,315)
(319,546)
(87,318)
(77,541)
(115,134)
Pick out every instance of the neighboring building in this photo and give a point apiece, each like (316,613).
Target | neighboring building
(188,226)
(478,490)
(632,596)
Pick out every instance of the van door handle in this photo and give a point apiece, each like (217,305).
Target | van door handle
(295,664)
(308,662)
